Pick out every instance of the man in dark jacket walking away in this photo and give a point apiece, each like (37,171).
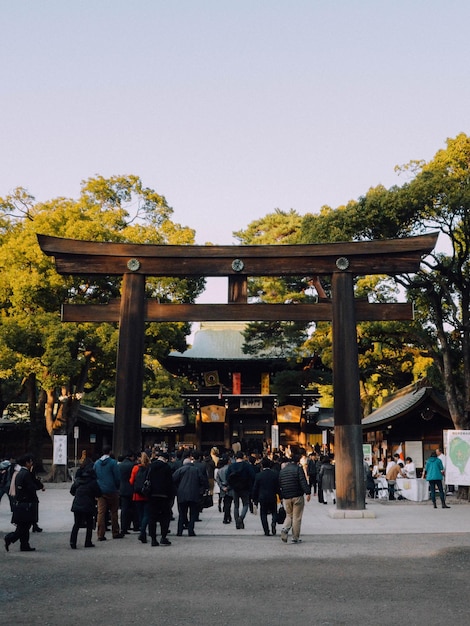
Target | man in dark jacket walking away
(293,485)
(161,498)
(241,477)
(265,492)
(190,484)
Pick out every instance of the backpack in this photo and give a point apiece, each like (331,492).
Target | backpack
(140,479)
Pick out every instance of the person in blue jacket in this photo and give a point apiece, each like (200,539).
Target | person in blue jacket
(433,472)
(109,480)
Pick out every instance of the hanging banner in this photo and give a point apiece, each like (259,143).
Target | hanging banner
(457,448)
(213,413)
(274,436)
(236,383)
(265,384)
(60,450)
(288,413)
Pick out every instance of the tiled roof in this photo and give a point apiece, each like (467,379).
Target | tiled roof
(400,403)
(218,340)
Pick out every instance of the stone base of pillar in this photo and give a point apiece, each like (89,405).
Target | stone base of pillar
(342,514)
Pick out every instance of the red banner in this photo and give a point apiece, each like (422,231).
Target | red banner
(236,383)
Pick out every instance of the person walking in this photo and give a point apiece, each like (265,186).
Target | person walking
(241,477)
(161,498)
(225,492)
(293,485)
(109,480)
(265,492)
(24,502)
(137,479)
(327,474)
(433,472)
(85,490)
(189,486)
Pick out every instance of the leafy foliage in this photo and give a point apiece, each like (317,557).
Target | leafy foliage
(52,363)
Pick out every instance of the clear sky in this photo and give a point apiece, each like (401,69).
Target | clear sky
(229,108)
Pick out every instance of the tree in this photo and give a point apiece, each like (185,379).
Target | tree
(436,197)
(53,364)
(284,339)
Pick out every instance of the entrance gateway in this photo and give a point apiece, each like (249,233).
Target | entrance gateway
(342,261)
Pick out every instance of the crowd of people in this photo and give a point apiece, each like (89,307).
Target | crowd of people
(137,493)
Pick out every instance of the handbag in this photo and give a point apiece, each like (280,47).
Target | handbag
(142,484)
(207,500)
(281,515)
(146,488)
(22,512)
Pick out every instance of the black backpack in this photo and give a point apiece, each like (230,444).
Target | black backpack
(140,479)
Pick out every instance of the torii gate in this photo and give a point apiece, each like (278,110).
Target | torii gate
(342,260)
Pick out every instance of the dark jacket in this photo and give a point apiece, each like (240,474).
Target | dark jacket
(26,485)
(266,486)
(160,477)
(241,476)
(125,470)
(327,473)
(189,482)
(85,490)
(292,481)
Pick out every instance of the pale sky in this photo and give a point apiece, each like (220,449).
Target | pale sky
(229,108)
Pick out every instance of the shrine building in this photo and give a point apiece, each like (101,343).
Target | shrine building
(233,399)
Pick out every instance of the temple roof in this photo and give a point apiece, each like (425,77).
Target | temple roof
(218,341)
(403,402)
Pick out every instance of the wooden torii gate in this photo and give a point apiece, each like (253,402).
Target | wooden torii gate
(342,261)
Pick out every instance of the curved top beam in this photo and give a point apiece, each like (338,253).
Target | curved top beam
(392,256)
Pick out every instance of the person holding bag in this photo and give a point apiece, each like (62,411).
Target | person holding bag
(24,503)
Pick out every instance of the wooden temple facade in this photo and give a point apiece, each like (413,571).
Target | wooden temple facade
(233,398)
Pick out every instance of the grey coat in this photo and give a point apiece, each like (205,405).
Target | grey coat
(189,483)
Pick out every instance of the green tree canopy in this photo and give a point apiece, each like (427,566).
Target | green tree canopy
(56,363)
(436,197)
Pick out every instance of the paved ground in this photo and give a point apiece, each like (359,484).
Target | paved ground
(410,564)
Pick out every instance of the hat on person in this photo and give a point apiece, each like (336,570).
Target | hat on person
(5,464)
(163,455)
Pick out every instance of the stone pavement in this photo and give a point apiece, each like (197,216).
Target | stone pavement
(408,564)
(389,517)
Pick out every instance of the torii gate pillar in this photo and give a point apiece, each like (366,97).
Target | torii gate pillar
(350,484)
(130,367)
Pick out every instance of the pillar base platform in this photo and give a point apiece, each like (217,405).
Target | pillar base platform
(347,514)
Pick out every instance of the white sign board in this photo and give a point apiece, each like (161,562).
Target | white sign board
(274,436)
(60,450)
(457,447)
(414,449)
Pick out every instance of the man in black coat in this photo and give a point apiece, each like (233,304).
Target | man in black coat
(161,498)
(24,503)
(265,492)
(240,477)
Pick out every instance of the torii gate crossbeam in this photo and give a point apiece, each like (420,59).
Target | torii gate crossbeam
(341,260)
